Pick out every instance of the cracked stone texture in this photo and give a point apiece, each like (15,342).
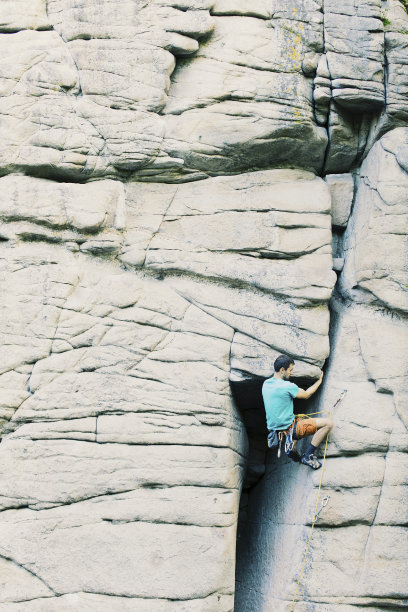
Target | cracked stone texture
(169,90)
(357,555)
(83,98)
(352,66)
(130,301)
(122,406)
(342,193)
(120,436)
(375,270)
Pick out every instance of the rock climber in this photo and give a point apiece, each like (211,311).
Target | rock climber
(278,394)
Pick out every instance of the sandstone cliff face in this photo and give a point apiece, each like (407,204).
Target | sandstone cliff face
(185,186)
(357,555)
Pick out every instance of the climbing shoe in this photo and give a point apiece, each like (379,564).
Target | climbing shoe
(311,461)
(294,455)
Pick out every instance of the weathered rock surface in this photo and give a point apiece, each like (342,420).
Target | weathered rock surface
(118,422)
(354,50)
(247,87)
(91,91)
(375,270)
(88,71)
(164,235)
(116,369)
(357,554)
(342,193)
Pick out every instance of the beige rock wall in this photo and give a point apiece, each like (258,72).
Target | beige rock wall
(357,555)
(123,309)
(166,231)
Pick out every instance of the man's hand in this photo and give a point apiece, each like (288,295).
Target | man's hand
(302,394)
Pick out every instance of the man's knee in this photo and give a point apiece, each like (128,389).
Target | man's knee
(327,423)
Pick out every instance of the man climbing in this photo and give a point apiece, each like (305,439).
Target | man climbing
(278,394)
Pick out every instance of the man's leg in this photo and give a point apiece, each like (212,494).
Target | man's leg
(322,428)
(293,454)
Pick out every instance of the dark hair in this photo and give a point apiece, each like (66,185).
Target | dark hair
(283,361)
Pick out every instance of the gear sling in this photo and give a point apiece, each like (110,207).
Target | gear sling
(275,438)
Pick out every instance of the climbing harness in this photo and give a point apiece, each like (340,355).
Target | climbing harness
(323,505)
(289,438)
(275,438)
(280,436)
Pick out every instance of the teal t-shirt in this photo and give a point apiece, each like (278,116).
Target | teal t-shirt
(278,397)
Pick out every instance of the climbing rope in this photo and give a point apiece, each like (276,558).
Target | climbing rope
(305,416)
(315,516)
(324,501)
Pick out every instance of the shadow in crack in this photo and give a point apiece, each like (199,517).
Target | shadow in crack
(246,390)
(272,504)
(247,395)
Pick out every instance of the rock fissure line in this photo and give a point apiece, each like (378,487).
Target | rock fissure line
(29,571)
(132,118)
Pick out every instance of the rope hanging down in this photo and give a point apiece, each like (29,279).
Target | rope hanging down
(324,501)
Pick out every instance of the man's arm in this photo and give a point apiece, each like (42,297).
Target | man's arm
(302,394)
